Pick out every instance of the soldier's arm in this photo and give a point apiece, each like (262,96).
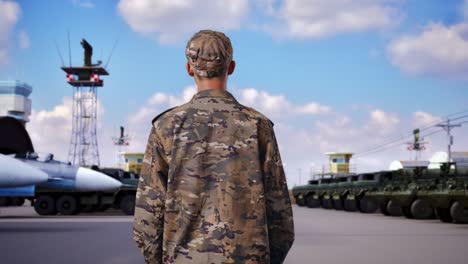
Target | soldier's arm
(149,204)
(278,204)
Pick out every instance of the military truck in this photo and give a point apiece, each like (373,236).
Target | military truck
(50,200)
(124,198)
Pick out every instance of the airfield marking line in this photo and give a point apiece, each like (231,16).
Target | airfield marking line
(67,220)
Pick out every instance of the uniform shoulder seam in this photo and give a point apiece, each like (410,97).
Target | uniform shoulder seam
(260,115)
(161,114)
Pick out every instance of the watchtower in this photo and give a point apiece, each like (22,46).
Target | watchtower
(85,80)
(339,162)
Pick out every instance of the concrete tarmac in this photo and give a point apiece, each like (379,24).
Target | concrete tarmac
(322,236)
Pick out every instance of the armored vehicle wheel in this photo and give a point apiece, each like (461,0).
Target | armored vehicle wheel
(350,205)
(5,201)
(459,213)
(17,201)
(300,201)
(367,205)
(67,205)
(406,211)
(422,209)
(45,205)
(383,209)
(444,215)
(311,202)
(327,204)
(127,204)
(338,204)
(394,209)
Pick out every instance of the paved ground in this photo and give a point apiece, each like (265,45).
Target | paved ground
(322,236)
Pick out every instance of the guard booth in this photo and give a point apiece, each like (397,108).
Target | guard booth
(339,162)
(132,162)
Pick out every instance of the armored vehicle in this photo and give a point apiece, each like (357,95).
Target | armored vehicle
(340,192)
(311,198)
(324,191)
(389,181)
(298,194)
(358,197)
(404,193)
(349,200)
(304,194)
(448,195)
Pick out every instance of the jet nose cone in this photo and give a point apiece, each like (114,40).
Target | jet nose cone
(15,173)
(90,180)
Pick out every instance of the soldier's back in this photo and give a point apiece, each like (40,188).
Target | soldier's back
(214,205)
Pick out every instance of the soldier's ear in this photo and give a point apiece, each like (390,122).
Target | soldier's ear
(189,69)
(232,67)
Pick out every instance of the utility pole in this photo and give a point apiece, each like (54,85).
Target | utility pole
(448,127)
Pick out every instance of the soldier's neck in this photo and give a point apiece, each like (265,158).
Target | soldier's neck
(213,83)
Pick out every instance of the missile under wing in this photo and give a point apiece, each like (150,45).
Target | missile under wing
(15,173)
(66,176)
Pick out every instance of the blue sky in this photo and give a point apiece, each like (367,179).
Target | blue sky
(375,67)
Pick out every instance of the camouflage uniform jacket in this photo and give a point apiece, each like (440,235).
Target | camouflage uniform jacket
(212,187)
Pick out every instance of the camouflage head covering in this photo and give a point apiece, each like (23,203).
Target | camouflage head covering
(209,53)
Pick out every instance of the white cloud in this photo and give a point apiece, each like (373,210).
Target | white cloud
(438,50)
(178,19)
(321,18)
(9,15)
(276,106)
(172,21)
(423,119)
(24,42)
(383,122)
(83,4)
(50,131)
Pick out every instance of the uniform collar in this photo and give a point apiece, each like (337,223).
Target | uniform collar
(213,93)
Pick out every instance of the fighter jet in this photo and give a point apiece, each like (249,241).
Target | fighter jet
(66,176)
(15,173)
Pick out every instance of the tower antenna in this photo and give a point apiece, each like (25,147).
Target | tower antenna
(59,53)
(112,52)
(418,144)
(69,49)
(85,81)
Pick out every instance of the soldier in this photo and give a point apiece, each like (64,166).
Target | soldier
(212,187)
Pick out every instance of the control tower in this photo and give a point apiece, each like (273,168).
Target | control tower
(14,100)
(85,81)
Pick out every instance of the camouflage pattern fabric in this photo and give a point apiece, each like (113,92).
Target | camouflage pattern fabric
(212,187)
(209,53)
